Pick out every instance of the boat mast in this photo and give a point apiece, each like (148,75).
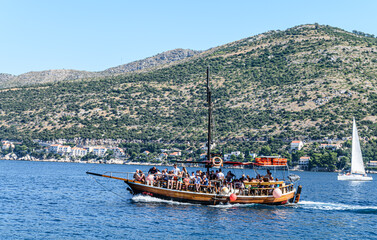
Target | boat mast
(208,165)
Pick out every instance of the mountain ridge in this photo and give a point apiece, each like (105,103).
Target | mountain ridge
(55,75)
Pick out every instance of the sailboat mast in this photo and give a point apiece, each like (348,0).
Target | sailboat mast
(209,101)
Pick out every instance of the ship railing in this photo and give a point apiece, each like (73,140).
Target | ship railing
(215,186)
(125,175)
(263,190)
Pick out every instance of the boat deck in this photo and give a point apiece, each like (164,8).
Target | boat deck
(215,193)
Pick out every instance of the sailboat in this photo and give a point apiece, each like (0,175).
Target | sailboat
(272,192)
(357,165)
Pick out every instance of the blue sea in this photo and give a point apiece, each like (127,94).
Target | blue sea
(50,200)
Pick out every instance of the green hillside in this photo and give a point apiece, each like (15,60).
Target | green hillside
(306,82)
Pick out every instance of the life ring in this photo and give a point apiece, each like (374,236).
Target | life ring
(217,164)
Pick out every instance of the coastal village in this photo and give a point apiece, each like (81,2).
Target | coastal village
(58,152)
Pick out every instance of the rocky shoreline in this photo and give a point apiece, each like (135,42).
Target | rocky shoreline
(14,157)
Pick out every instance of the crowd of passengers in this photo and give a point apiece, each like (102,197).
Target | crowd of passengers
(182,180)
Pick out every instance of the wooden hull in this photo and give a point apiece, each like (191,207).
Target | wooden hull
(205,198)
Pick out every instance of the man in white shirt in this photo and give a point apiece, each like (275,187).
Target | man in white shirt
(176,170)
(220,175)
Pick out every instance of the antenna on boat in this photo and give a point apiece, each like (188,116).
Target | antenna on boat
(209,101)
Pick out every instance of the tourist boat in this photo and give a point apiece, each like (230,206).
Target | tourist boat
(357,165)
(275,192)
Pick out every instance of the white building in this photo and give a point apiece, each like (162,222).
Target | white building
(227,157)
(175,154)
(99,151)
(253,155)
(118,152)
(296,145)
(61,149)
(65,149)
(372,164)
(146,152)
(78,152)
(55,148)
(7,145)
(304,161)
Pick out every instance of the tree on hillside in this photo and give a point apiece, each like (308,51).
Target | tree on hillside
(297,155)
(343,163)
(265,151)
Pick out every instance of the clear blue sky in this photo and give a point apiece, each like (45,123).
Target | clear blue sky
(94,35)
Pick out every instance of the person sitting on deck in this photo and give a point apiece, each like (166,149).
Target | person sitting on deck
(158,175)
(206,174)
(242,181)
(243,178)
(143,178)
(238,184)
(229,179)
(192,177)
(248,178)
(137,176)
(150,179)
(260,181)
(275,185)
(186,181)
(179,181)
(197,182)
(170,179)
(205,181)
(163,176)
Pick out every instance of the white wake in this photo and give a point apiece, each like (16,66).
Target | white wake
(149,199)
(334,206)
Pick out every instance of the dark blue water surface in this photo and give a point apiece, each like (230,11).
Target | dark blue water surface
(49,200)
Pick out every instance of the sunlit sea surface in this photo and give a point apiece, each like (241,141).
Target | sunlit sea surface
(49,200)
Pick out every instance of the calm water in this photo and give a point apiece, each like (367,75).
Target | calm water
(46,200)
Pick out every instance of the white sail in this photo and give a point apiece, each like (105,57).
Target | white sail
(357,165)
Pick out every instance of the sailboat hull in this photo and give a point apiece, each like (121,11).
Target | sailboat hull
(354,177)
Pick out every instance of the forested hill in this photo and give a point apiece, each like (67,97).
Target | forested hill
(306,82)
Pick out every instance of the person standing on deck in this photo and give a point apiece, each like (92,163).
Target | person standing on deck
(220,175)
(153,170)
(176,170)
